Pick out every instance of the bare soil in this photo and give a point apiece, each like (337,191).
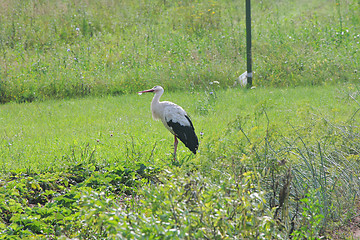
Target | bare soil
(350,231)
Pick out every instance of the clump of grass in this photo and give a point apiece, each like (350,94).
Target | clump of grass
(206,104)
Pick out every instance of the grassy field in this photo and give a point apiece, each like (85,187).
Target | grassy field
(57,49)
(80,156)
(41,135)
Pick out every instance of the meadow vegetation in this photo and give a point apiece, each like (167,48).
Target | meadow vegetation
(285,163)
(57,49)
(279,161)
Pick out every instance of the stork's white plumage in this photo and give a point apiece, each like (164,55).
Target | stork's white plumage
(175,119)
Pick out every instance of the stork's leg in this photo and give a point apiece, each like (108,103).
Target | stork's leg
(175,146)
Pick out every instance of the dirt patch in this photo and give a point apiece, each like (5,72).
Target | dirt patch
(356,227)
(350,230)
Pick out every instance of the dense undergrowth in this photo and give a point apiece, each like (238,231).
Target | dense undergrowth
(62,49)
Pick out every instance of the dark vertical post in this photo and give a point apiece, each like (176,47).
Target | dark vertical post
(248,44)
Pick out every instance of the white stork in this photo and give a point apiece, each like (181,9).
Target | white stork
(175,119)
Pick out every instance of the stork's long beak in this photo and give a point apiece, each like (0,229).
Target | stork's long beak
(145,91)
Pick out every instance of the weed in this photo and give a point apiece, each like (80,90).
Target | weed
(206,104)
(311,224)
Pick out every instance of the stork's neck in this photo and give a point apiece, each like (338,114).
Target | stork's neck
(157,96)
(156,109)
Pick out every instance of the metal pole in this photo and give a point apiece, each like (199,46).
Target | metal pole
(248,44)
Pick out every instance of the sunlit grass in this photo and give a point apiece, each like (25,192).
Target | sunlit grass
(39,135)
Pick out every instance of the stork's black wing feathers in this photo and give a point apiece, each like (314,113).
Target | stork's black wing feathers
(186,134)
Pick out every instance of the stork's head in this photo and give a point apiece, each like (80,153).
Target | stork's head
(155,89)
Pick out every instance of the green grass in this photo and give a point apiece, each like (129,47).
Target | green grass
(41,134)
(57,49)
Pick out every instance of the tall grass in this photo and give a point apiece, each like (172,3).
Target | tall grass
(57,49)
(309,168)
